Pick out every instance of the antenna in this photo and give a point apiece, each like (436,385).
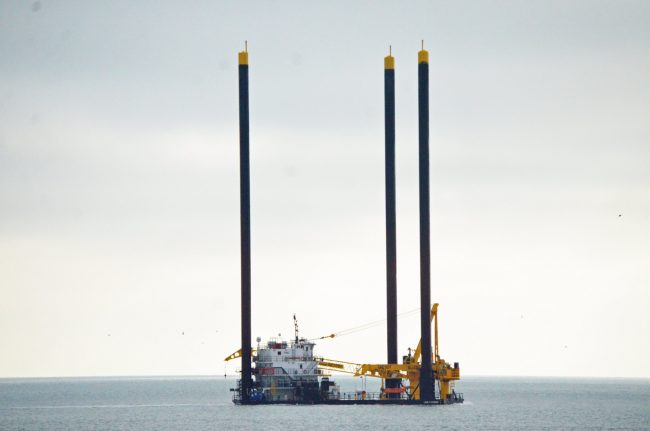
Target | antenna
(295,326)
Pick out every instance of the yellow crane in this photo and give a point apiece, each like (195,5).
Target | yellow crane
(443,372)
(237,354)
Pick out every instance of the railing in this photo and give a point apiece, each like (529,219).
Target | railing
(356,396)
(350,396)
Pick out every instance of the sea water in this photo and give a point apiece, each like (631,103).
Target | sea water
(204,403)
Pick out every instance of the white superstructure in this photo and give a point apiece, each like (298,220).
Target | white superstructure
(286,371)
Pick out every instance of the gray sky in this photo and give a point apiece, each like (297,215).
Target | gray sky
(119,226)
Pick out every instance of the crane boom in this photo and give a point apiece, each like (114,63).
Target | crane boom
(418,349)
(237,354)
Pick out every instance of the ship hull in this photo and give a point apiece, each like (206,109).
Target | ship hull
(289,373)
(354,402)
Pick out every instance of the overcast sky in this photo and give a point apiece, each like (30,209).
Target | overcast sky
(119,187)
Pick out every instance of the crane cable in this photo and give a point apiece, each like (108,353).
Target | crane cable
(363,327)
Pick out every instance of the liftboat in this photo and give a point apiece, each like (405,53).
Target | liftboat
(291,373)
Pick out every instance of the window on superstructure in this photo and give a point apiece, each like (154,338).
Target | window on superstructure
(279,353)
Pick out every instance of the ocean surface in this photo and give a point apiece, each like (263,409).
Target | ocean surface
(204,403)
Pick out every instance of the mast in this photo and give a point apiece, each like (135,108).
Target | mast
(245,217)
(391,248)
(427,392)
